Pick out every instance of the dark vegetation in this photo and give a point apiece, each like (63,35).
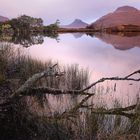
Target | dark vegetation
(120,28)
(26,113)
(27,31)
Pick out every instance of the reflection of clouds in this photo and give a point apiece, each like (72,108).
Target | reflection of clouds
(89,52)
(102,59)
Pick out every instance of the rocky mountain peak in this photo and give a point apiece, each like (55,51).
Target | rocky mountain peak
(126,9)
(125,15)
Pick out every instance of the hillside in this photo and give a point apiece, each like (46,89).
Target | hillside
(122,18)
(3,19)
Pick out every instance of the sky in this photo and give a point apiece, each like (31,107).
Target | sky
(64,10)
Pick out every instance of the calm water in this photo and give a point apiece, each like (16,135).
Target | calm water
(104,55)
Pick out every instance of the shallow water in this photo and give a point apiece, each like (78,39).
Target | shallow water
(104,55)
(102,58)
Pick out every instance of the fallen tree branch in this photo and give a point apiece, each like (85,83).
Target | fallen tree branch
(27,87)
(126,111)
(118,111)
(53,91)
(126,78)
(31,81)
(135,72)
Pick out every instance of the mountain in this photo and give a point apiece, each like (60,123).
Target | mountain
(119,41)
(125,15)
(77,23)
(3,19)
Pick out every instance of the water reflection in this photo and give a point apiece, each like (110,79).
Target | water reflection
(101,54)
(78,35)
(89,52)
(120,41)
(27,39)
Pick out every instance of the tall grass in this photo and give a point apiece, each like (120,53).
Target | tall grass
(34,118)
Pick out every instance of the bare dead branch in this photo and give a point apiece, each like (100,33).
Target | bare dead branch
(32,80)
(27,87)
(128,108)
(126,78)
(53,91)
(126,111)
(136,72)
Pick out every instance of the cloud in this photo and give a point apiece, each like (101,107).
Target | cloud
(66,11)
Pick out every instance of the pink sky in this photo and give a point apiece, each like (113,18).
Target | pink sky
(64,10)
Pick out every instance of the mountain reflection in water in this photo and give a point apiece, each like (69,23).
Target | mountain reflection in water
(120,41)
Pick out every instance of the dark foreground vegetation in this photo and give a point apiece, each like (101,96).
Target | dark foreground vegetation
(26,86)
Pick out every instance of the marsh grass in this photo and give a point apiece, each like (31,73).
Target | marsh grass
(36,118)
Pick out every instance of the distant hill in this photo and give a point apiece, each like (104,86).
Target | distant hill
(3,19)
(119,41)
(125,15)
(77,23)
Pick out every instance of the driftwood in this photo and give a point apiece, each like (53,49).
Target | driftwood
(31,81)
(28,89)
(123,111)
(53,91)
(126,111)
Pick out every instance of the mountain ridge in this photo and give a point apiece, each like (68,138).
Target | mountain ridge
(125,15)
(3,19)
(77,23)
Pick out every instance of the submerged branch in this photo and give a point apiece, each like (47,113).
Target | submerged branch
(126,111)
(118,111)
(53,91)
